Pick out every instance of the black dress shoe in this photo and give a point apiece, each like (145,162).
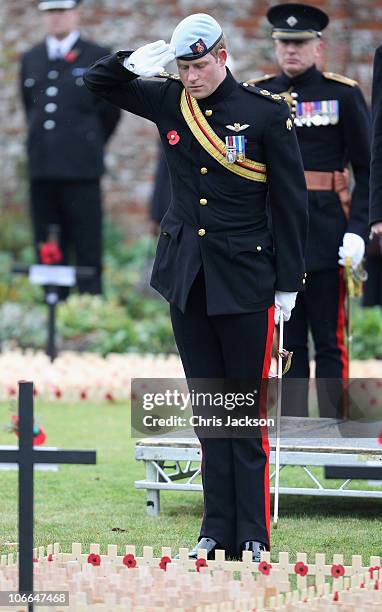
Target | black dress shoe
(208,544)
(255,547)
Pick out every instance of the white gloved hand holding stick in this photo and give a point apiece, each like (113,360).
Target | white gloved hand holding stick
(284,302)
(353,246)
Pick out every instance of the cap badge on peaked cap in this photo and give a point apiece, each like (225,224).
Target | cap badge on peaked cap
(291,21)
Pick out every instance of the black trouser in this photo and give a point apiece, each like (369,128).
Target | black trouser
(235,471)
(372,288)
(319,308)
(75,206)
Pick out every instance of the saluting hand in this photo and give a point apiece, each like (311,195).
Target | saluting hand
(151,59)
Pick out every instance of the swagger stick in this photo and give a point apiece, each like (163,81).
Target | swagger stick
(350,292)
(354,279)
(278,420)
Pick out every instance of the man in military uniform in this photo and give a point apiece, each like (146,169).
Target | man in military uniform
(68,128)
(376,151)
(229,147)
(332,126)
(373,286)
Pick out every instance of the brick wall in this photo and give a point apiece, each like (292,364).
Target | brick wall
(351,38)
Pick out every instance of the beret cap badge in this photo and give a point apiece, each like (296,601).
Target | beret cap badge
(198,47)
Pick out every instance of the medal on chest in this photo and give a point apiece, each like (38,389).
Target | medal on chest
(235,148)
(317,113)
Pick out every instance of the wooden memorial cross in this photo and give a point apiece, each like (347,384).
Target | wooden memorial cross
(26,457)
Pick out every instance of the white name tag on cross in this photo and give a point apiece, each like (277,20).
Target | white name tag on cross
(61,276)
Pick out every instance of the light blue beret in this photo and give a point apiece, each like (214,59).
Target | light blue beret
(195,36)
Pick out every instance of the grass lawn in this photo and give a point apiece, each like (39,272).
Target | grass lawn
(84,503)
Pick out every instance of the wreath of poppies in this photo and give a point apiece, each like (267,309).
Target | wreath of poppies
(39,435)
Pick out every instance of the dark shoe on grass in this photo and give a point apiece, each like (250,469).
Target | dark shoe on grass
(255,547)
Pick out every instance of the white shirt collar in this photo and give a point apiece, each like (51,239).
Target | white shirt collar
(59,48)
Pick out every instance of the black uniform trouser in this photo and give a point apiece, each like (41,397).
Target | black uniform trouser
(319,308)
(372,288)
(235,471)
(75,206)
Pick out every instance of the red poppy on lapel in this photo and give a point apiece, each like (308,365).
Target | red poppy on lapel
(72,55)
(173,137)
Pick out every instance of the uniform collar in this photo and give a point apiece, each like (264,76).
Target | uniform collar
(302,79)
(225,88)
(57,49)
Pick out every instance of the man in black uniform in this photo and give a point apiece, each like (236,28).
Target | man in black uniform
(376,151)
(229,147)
(68,128)
(332,126)
(373,287)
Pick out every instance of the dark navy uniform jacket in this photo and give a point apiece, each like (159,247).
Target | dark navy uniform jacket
(161,196)
(67,125)
(242,263)
(329,148)
(376,151)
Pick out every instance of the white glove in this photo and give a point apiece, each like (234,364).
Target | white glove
(376,229)
(285,302)
(353,246)
(149,60)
